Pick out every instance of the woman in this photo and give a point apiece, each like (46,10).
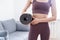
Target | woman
(39,25)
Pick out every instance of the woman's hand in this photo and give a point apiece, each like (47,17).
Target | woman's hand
(35,21)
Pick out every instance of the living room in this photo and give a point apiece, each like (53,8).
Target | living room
(10,11)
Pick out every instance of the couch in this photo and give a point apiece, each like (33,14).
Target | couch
(16,30)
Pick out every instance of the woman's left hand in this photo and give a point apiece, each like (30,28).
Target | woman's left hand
(35,21)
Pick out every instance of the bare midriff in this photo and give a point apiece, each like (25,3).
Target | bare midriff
(39,15)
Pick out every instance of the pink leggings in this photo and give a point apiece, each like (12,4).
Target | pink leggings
(42,29)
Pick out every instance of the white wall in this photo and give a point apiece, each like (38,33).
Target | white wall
(58,8)
(19,5)
(6,9)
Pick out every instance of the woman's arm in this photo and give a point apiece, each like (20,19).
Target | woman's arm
(53,10)
(26,6)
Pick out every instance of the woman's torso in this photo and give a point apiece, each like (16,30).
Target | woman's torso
(40,9)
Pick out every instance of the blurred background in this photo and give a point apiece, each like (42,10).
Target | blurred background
(12,9)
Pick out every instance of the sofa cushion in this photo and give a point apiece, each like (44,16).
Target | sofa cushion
(9,25)
(21,27)
(19,35)
(1,27)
